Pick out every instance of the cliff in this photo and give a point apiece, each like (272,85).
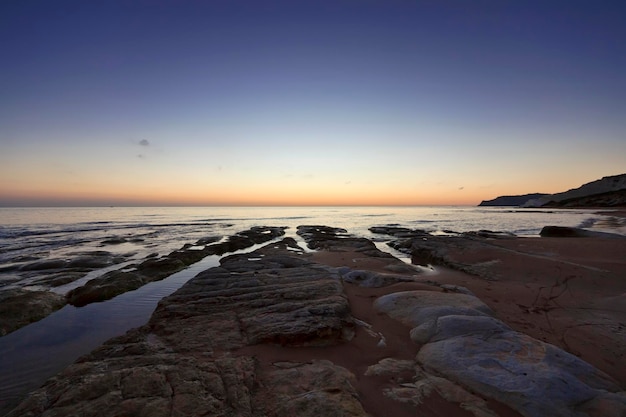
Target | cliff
(595,188)
(512,200)
(606,192)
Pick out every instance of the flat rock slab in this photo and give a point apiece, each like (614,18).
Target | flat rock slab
(462,342)
(118,282)
(225,344)
(188,360)
(259,299)
(561,290)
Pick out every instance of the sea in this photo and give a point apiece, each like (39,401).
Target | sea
(33,239)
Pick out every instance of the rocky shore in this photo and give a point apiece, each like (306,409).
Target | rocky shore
(19,307)
(493,325)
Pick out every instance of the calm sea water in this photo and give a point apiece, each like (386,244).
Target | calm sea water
(30,235)
(30,355)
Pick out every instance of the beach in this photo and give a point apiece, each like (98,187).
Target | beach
(327,313)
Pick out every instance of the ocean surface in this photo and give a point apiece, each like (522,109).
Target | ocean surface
(34,240)
(29,236)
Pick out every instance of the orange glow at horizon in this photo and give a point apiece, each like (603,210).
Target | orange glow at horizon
(158,183)
(240,195)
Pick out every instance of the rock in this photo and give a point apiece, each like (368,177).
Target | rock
(117,240)
(421,310)
(606,405)
(517,370)
(331,238)
(399,232)
(196,356)
(106,287)
(300,304)
(249,338)
(19,307)
(592,194)
(56,272)
(391,367)
(372,279)
(448,251)
(312,233)
(328,391)
(45,264)
(608,199)
(420,385)
(414,308)
(462,341)
(208,240)
(59,278)
(512,200)
(95,260)
(489,234)
(115,283)
(560,231)
(456,288)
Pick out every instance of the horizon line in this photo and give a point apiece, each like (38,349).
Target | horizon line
(227,205)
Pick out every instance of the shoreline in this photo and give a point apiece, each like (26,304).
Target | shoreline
(542,287)
(546,289)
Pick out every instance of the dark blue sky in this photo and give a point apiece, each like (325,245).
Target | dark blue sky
(216,84)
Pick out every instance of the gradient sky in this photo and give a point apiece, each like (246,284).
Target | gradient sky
(295,102)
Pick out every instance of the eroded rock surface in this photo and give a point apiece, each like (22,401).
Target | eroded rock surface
(274,333)
(19,307)
(118,282)
(560,231)
(190,359)
(461,341)
(564,291)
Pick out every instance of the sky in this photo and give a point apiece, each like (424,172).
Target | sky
(343,102)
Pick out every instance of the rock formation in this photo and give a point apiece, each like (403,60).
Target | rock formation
(556,288)
(120,281)
(19,307)
(464,343)
(605,192)
(589,190)
(191,358)
(512,200)
(275,333)
(608,199)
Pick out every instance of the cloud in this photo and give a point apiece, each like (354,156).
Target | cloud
(144,142)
